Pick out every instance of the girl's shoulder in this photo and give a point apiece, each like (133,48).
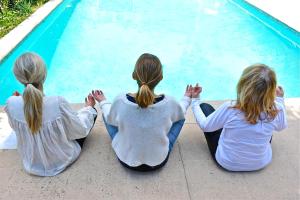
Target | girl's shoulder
(228,105)
(14,100)
(228,108)
(13,104)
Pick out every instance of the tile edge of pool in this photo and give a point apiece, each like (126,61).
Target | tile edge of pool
(289,101)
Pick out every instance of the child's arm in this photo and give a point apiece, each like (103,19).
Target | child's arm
(77,124)
(8,116)
(214,121)
(105,107)
(16,93)
(186,100)
(280,120)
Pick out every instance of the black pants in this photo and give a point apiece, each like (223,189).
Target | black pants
(212,138)
(81,140)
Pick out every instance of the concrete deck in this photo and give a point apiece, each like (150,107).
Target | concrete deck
(189,174)
(286,11)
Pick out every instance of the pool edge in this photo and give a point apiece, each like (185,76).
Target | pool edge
(19,33)
(288,32)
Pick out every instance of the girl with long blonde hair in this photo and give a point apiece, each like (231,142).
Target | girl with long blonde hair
(50,134)
(143,125)
(239,132)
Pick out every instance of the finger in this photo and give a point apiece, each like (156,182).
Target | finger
(93,92)
(101,92)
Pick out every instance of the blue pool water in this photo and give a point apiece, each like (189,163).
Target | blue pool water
(94,44)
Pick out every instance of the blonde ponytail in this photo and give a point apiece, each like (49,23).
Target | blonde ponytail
(147,73)
(145,96)
(30,70)
(33,111)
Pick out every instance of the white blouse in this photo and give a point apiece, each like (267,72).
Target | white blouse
(242,146)
(49,151)
(142,132)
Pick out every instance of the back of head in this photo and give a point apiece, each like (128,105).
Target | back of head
(147,73)
(256,93)
(30,70)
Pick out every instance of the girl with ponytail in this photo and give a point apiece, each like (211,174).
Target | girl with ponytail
(144,126)
(49,133)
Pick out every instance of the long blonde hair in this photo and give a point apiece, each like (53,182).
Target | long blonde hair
(256,91)
(30,70)
(147,73)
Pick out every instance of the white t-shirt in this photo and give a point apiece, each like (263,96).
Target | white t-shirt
(142,132)
(49,151)
(242,146)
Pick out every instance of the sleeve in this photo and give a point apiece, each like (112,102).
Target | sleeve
(178,111)
(8,116)
(280,120)
(109,112)
(214,121)
(77,124)
(185,103)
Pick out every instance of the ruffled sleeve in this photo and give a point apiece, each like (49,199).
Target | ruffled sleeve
(77,124)
(7,111)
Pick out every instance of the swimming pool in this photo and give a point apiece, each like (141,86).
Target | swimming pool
(94,44)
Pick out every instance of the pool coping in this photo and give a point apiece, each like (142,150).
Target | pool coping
(267,8)
(17,35)
(279,25)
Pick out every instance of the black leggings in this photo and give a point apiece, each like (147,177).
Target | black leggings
(212,138)
(81,140)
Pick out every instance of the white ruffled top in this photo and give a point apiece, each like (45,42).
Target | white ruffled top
(53,148)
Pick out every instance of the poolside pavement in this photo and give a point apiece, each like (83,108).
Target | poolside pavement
(189,174)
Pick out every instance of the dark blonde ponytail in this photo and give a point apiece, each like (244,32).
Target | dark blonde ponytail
(148,73)
(30,70)
(145,96)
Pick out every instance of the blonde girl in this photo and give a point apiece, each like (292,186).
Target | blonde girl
(239,132)
(49,133)
(144,126)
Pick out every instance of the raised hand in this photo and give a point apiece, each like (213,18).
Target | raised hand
(16,93)
(98,95)
(90,101)
(196,91)
(188,91)
(279,91)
